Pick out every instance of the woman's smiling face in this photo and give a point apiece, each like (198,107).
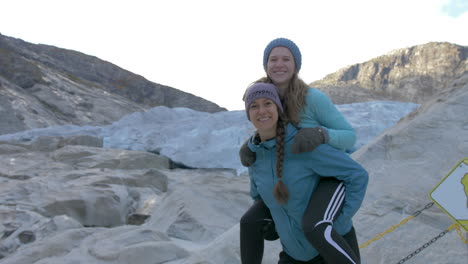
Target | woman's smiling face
(281,66)
(263,114)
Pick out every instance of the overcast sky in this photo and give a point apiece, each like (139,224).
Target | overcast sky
(214,48)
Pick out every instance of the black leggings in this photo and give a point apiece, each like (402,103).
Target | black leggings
(324,206)
(350,237)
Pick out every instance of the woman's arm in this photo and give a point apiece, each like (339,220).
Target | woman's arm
(253,188)
(330,162)
(319,107)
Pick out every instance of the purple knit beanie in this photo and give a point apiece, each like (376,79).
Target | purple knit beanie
(261,90)
(283,42)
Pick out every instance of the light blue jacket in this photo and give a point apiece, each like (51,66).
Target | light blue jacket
(301,174)
(320,111)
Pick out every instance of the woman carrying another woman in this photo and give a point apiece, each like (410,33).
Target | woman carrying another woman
(319,121)
(292,185)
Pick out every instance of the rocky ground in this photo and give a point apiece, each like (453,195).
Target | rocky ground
(69,200)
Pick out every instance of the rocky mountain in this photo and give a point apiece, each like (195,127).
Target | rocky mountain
(68,199)
(407,75)
(43,85)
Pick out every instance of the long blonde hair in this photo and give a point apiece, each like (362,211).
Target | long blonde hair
(293,99)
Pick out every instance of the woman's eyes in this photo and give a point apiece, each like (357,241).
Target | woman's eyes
(274,59)
(265,104)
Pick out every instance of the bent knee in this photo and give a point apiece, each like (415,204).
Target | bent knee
(245,219)
(249,219)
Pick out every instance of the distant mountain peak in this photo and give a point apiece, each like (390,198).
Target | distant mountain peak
(411,74)
(43,85)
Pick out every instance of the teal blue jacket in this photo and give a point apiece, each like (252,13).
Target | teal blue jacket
(320,111)
(301,174)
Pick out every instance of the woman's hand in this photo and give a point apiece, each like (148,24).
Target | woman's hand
(307,139)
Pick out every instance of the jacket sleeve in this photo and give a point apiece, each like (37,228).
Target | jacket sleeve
(330,162)
(253,188)
(340,132)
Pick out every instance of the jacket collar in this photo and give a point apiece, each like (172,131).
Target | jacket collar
(255,144)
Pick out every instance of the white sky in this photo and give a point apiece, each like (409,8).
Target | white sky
(214,48)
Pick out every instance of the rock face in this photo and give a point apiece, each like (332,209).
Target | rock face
(68,200)
(405,163)
(60,196)
(43,85)
(412,74)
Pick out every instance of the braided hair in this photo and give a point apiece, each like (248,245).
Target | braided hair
(280,191)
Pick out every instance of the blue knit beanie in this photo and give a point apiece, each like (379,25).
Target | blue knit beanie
(283,42)
(262,90)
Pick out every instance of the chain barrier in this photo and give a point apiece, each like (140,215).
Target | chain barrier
(427,244)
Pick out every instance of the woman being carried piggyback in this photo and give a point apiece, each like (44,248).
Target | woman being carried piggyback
(311,196)
(307,108)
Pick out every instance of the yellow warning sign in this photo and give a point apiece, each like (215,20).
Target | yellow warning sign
(451,194)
